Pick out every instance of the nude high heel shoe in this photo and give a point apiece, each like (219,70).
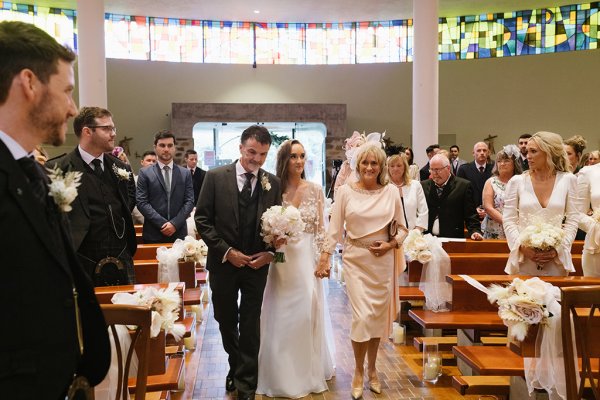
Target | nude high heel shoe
(357,391)
(374,383)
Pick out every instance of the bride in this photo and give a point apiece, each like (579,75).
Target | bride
(296,344)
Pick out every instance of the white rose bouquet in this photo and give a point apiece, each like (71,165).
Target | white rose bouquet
(194,250)
(281,224)
(542,235)
(164,304)
(523,303)
(416,247)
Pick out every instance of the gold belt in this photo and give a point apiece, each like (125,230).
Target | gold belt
(359,243)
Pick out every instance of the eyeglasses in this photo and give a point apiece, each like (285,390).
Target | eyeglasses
(436,170)
(105,127)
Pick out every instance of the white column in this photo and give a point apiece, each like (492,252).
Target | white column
(425,78)
(91,60)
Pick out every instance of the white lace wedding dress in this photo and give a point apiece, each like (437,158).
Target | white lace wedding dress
(296,343)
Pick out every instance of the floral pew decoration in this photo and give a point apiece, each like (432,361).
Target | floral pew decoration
(523,304)
(187,250)
(427,250)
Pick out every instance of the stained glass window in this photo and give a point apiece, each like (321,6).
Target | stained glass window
(127,37)
(330,43)
(279,43)
(228,42)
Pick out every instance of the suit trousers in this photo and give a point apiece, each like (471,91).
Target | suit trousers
(241,344)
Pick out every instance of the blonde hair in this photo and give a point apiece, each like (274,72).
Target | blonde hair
(552,145)
(376,151)
(403,159)
(578,144)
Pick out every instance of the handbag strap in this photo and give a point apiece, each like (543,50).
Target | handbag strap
(404,210)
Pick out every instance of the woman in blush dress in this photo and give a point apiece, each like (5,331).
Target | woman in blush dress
(371,213)
(588,192)
(547,192)
(296,343)
(506,167)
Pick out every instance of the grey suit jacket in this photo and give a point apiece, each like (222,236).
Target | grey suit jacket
(217,212)
(79,217)
(157,208)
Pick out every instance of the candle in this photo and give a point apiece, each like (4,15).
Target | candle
(398,334)
(205,295)
(197,309)
(430,371)
(437,359)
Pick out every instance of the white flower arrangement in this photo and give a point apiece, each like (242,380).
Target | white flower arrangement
(416,247)
(328,209)
(264,182)
(523,303)
(63,187)
(543,235)
(164,304)
(281,223)
(596,215)
(121,173)
(194,250)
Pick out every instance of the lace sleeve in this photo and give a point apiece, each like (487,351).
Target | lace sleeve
(335,230)
(321,220)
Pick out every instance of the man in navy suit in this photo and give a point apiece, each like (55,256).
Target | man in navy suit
(191,161)
(40,270)
(431,150)
(165,194)
(477,172)
(101,223)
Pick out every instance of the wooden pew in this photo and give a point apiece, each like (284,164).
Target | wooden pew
(148,251)
(465,297)
(138,228)
(492,246)
(146,271)
(477,264)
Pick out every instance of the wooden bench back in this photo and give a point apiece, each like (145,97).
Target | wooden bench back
(148,251)
(492,246)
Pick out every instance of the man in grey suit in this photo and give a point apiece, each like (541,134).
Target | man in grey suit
(232,200)
(165,194)
(101,223)
(455,160)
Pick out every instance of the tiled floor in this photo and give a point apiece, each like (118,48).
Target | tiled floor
(398,366)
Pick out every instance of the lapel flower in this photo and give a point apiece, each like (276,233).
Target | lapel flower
(264,182)
(121,173)
(63,187)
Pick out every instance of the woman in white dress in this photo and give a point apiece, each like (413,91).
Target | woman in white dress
(296,343)
(416,213)
(368,210)
(588,192)
(548,193)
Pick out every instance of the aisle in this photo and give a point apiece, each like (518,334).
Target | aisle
(399,381)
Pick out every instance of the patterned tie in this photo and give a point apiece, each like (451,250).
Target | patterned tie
(97,167)
(481,169)
(34,174)
(247,189)
(166,170)
(439,190)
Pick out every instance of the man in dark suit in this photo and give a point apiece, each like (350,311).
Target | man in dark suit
(101,223)
(165,194)
(450,202)
(477,172)
(232,200)
(191,161)
(431,151)
(522,160)
(40,270)
(455,160)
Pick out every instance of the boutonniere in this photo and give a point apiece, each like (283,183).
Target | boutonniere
(264,182)
(63,187)
(121,173)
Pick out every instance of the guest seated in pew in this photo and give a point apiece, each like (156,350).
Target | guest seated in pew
(588,193)
(450,202)
(506,167)
(546,193)
(371,212)
(53,327)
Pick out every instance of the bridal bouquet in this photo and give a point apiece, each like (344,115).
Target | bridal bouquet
(164,304)
(523,303)
(416,247)
(542,235)
(281,223)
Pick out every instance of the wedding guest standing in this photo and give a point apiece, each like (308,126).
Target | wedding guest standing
(507,165)
(294,308)
(574,147)
(53,327)
(588,193)
(232,200)
(413,169)
(546,193)
(368,210)
(411,192)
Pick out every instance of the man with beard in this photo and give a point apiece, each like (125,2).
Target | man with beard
(36,87)
(101,223)
(165,194)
